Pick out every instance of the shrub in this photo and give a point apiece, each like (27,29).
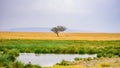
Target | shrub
(63,62)
(3,60)
(38,51)
(27,50)
(119,54)
(99,55)
(92,51)
(11,58)
(109,55)
(13,52)
(5,50)
(76,59)
(18,65)
(82,51)
(36,66)
(89,59)
(28,66)
(32,66)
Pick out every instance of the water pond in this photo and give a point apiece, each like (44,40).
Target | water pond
(49,59)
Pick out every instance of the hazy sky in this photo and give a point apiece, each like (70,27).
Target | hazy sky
(90,15)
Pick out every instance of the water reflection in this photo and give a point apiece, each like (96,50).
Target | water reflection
(49,59)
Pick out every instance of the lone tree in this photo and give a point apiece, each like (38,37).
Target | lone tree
(58,29)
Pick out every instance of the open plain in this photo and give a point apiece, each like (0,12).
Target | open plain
(63,36)
(106,45)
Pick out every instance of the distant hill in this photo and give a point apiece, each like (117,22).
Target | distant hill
(41,29)
(30,29)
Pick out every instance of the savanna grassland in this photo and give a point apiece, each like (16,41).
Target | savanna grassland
(105,45)
(63,36)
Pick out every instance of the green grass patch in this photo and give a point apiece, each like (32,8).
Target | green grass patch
(102,48)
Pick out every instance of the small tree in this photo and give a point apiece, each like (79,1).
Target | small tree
(58,29)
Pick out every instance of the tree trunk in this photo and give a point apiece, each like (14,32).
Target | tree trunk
(57,34)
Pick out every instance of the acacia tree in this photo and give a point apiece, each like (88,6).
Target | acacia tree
(58,29)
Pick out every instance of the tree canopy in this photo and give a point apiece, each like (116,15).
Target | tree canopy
(58,29)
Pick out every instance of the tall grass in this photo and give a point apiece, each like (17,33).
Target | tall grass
(10,49)
(102,48)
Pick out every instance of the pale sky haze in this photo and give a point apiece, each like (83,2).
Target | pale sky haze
(89,15)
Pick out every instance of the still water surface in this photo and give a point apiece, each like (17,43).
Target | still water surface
(49,59)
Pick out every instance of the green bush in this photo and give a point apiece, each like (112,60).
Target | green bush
(37,51)
(119,54)
(18,65)
(99,55)
(82,51)
(36,66)
(27,50)
(4,50)
(63,62)
(89,59)
(77,59)
(13,52)
(4,60)
(32,66)
(11,58)
(109,55)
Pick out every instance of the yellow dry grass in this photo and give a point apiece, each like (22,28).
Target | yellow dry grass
(96,63)
(70,66)
(63,36)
